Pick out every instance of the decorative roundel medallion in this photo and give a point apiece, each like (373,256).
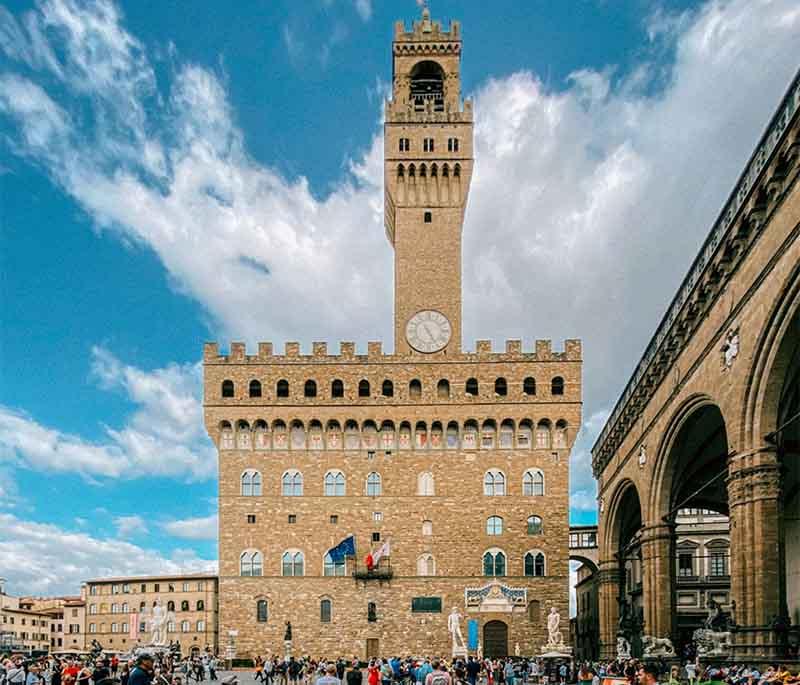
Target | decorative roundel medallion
(428,331)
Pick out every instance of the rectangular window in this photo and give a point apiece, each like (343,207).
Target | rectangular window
(405,145)
(251,518)
(685,564)
(376,537)
(170,588)
(377,516)
(719,564)
(426,605)
(292,518)
(428,217)
(452,144)
(334,519)
(157,587)
(427,145)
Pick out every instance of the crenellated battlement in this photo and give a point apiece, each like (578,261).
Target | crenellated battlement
(428,31)
(483,351)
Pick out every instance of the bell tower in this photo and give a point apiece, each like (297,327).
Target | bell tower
(427,172)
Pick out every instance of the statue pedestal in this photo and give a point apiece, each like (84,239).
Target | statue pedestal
(459,652)
(287,648)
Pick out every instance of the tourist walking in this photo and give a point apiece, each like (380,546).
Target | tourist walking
(330,676)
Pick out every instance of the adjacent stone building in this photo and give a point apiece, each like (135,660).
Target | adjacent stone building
(710,420)
(115,609)
(457,459)
(23,629)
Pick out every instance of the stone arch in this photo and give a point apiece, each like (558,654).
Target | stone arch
(621,498)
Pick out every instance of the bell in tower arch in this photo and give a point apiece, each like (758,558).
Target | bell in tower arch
(427,86)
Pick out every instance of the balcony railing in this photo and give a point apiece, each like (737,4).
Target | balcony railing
(381,573)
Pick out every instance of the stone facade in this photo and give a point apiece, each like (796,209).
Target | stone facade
(459,459)
(22,627)
(709,417)
(112,604)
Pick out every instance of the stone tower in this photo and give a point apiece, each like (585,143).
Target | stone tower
(427,171)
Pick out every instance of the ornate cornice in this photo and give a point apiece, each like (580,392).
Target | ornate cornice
(739,225)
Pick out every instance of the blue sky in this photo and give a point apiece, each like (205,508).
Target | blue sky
(175,172)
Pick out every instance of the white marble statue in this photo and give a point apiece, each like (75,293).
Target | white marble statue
(623,648)
(657,646)
(516,650)
(454,626)
(157,621)
(712,643)
(730,348)
(554,636)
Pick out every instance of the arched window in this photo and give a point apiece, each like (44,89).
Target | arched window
(420,436)
(443,389)
(415,389)
(557,386)
(437,436)
(494,483)
(369,435)
(226,436)
(251,483)
(373,484)
(534,525)
(533,483)
(494,563)
(500,387)
(524,434)
(507,434)
(292,563)
(282,388)
(529,386)
(387,436)
(243,435)
(201,626)
(310,389)
(262,611)
(534,564)
(363,388)
(185,626)
(185,605)
(560,435)
(201,605)
(325,610)
(427,528)
(250,563)
(337,388)
(333,436)
(315,441)
(426,565)
(333,567)
(471,387)
(543,434)
(292,483)
(387,388)
(494,525)
(255,388)
(425,484)
(227,388)
(334,484)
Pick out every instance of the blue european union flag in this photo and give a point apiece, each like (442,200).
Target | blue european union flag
(346,548)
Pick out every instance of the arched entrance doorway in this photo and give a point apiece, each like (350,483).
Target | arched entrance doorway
(692,500)
(495,639)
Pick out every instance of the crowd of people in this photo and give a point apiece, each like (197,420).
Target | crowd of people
(101,669)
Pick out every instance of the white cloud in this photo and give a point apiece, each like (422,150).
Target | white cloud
(364,8)
(44,559)
(201,528)
(587,205)
(164,436)
(130,526)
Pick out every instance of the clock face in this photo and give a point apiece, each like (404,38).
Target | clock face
(428,331)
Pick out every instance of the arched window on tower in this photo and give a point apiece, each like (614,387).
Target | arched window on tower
(363,388)
(282,388)
(310,389)
(427,87)
(337,388)
(255,388)
(387,389)
(415,389)
(227,388)
(529,386)
(443,389)
(471,387)
(500,387)
(557,386)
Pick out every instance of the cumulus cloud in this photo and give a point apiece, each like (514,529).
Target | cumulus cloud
(201,528)
(588,202)
(364,8)
(164,436)
(45,559)
(130,526)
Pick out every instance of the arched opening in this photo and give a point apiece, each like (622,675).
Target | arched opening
(471,387)
(443,389)
(337,388)
(282,388)
(529,386)
(227,388)
(500,387)
(691,495)
(415,389)
(557,386)
(255,388)
(387,389)
(427,86)
(363,388)
(310,389)
(495,640)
